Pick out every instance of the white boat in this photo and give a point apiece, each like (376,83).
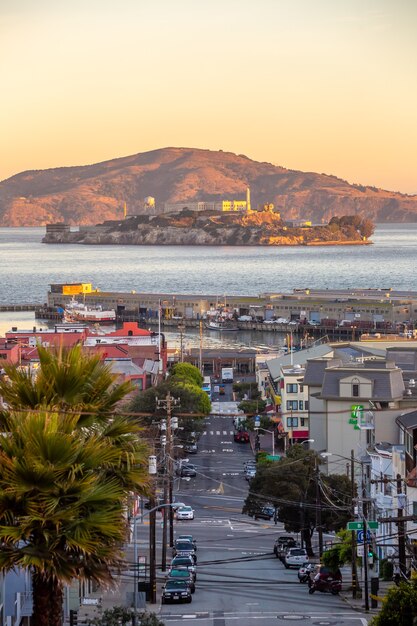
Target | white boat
(222,324)
(80,312)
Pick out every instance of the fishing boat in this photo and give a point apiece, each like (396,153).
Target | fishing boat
(80,312)
(221,324)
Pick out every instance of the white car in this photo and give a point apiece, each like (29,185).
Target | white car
(185,512)
(295,557)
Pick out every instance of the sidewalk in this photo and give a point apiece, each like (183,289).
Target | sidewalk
(358,603)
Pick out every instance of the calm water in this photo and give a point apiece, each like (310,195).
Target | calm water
(27,267)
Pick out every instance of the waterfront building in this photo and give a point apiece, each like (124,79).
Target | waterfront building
(349,312)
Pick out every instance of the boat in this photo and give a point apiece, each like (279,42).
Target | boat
(80,312)
(222,324)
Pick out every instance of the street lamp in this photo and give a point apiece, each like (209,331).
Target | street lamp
(152,578)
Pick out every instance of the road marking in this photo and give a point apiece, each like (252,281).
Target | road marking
(217,432)
(211,432)
(231,432)
(225,443)
(225,432)
(227,450)
(204,433)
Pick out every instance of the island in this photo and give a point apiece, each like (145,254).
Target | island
(211,228)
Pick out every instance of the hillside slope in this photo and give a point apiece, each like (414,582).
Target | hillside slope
(94,193)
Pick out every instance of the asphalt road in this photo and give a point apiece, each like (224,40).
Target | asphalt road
(239,579)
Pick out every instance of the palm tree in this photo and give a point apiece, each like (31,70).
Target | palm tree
(46,513)
(67,379)
(61,515)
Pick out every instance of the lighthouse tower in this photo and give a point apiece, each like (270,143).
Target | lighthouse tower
(248,208)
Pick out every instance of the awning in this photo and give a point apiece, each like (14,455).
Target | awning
(300,434)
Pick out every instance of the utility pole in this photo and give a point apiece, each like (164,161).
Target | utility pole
(353,558)
(365,539)
(152,547)
(318,509)
(401,524)
(168,403)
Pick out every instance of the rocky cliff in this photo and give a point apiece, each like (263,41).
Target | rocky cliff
(94,193)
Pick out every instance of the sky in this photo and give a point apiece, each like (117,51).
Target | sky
(314,85)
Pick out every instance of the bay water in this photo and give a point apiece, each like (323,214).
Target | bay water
(28,267)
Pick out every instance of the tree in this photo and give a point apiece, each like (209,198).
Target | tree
(65,379)
(399,606)
(290,484)
(181,371)
(61,509)
(77,396)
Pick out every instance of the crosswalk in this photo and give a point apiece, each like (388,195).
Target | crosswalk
(218,432)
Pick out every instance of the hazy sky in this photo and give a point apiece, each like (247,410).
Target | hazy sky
(317,85)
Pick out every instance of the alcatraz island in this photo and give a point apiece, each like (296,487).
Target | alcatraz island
(226,223)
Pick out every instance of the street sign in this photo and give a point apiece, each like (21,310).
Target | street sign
(273,457)
(373,525)
(355,526)
(360,535)
(360,550)
(257,421)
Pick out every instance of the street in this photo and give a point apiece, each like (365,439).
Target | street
(239,579)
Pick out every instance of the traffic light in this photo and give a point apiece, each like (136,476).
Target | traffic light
(371,556)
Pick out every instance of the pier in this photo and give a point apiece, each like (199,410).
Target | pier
(18,307)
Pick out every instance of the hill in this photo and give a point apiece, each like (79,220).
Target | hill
(93,193)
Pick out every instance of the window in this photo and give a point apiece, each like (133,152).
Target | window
(355,388)
(301,405)
(301,388)
(415,509)
(292,422)
(292,405)
(409,443)
(292,388)
(303,421)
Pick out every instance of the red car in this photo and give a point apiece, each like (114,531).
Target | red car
(241,436)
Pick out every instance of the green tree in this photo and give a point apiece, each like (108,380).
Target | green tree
(67,386)
(290,484)
(61,507)
(67,379)
(399,606)
(181,371)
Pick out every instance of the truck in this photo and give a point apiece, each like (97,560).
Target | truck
(227,374)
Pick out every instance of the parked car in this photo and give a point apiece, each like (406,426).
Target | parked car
(184,512)
(177,505)
(295,557)
(185,561)
(250,473)
(182,573)
(313,323)
(176,591)
(187,470)
(184,548)
(266,512)
(191,448)
(188,538)
(282,320)
(282,544)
